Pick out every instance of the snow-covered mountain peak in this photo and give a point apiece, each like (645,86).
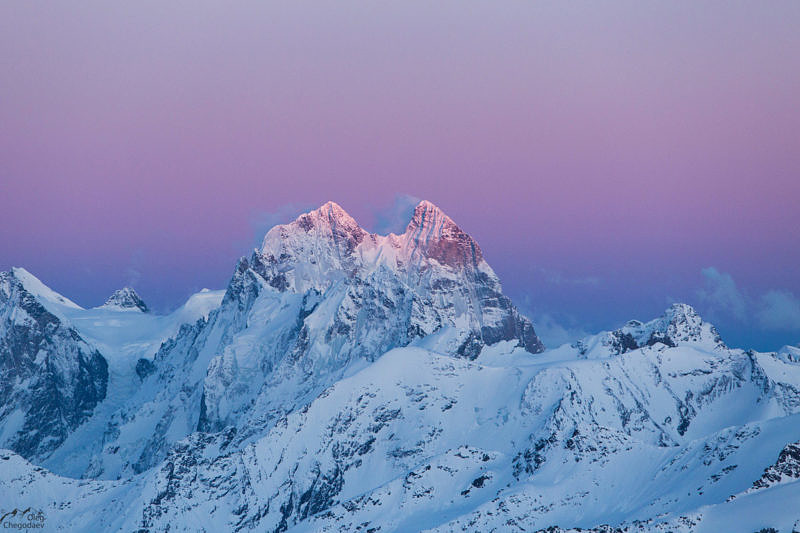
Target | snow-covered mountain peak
(679,325)
(790,354)
(313,250)
(428,215)
(329,221)
(125,299)
(327,244)
(682,312)
(332,210)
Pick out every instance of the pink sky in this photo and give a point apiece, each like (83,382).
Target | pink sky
(631,144)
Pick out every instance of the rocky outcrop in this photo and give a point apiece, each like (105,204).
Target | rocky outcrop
(785,469)
(126,299)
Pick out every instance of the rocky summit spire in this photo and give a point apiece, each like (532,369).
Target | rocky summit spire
(126,298)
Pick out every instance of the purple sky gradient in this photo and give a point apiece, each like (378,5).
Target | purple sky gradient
(602,155)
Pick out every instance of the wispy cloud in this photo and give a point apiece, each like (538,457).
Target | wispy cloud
(721,295)
(555,277)
(773,310)
(395,218)
(132,277)
(554,330)
(779,310)
(134,271)
(554,333)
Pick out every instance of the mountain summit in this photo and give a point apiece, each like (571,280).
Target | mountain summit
(437,237)
(327,242)
(434,272)
(126,298)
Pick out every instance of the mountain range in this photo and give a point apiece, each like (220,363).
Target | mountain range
(349,381)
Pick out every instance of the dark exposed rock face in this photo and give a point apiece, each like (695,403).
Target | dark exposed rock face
(786,468)
(50,378)
(144,367)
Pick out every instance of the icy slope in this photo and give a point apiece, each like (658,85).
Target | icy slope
(129,340)
(657,438)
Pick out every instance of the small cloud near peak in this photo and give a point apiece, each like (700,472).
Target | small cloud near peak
(395,218)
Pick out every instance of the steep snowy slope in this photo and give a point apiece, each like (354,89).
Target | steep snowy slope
(129,340)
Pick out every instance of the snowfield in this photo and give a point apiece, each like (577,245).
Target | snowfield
(346,381)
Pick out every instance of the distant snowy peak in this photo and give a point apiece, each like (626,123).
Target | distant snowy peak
(790,354)
(125,299)
(679,325)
